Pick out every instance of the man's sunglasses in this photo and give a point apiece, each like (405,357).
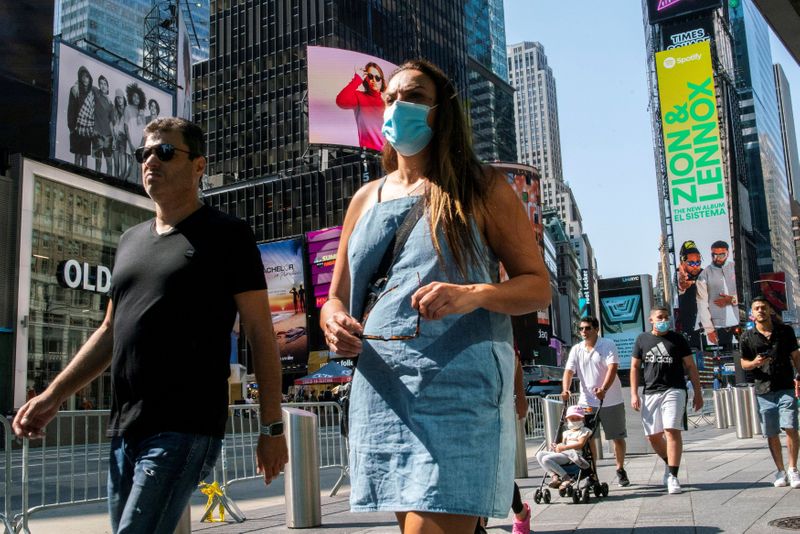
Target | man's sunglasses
(163,151)
(693,263)
(376,77)
(585,328)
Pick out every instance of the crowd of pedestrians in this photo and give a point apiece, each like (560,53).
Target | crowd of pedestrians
(415,296)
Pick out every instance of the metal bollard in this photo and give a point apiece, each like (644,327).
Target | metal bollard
(185,523)
(303,506)
(729,411)
(551,409)
(720,413)
(521,458)
(741,404)
(755,412)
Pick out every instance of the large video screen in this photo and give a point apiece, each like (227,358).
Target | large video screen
(322,248)
(99,114)
(661,10)
(622,314)
(283,270)
(704,255)
(345,97)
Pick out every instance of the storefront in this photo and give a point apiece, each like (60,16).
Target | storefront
(69,227)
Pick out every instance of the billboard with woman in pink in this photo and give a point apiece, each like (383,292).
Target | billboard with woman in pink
(345,97)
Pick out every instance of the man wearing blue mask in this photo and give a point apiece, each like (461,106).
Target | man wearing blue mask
(663,355)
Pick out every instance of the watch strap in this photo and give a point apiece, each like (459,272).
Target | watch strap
(272,429)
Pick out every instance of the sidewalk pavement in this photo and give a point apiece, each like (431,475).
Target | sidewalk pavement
(727,487)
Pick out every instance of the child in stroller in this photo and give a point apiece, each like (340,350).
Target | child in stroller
(570,462)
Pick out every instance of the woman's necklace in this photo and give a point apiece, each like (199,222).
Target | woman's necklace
(421,182)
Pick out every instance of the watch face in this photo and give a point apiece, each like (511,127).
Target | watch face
(276,429)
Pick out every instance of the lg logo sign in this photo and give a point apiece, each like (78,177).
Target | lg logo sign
(75,275)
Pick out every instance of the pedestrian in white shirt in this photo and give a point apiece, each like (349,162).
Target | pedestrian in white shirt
(595,362)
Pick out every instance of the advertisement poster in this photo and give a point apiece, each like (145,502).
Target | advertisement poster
(283,270)
(585,295)
(622,314)
(100,113)
(322,246)
(686,31)
(707,297)
(345,97)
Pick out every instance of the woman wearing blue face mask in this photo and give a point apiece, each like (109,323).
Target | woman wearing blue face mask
(431,418)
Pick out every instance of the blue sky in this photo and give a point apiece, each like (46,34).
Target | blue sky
(598,60)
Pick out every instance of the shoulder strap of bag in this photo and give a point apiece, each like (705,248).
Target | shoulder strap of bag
(399,240)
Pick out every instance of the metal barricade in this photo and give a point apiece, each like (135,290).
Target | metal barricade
(68,466)
(703,415)
(534,421)
(7,515)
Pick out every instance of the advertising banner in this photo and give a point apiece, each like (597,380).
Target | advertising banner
(686,31)
(661,10)
(698,198)
(283,270)
(584,295)
(773,287)
(345,97)
(99,114)
(622,314)
(322,246)
(183,99)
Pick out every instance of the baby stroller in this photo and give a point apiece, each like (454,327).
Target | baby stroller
(586,479)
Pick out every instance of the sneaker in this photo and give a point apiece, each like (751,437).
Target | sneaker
(673,486)
(780,480)
(794,477)
(622,478)
(522,526)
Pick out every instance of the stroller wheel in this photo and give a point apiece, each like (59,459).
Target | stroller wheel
(576,497)
(537,497)
(570,491)
(604,489)
(547,496)
(597,490)
(562,492)
(585,496)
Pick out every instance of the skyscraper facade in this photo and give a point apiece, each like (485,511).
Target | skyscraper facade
(196,16)
(763,142)
(536,115)
(491,99)
(250,96)
(114,29)
(788,133)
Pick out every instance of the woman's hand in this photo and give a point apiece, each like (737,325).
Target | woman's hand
(341,334)
(438,299)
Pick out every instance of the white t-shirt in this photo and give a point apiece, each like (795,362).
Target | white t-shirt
(591,367)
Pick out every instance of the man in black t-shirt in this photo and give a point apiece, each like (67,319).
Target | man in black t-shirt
(663,354)
(768,352)
(177,284)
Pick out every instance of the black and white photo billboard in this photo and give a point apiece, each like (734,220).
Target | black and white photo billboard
(99,114)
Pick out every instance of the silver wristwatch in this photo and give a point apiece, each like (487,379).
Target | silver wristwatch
(272,429)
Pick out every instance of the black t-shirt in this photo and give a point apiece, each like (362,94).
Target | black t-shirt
(778,374)
(173,314)
(662,360)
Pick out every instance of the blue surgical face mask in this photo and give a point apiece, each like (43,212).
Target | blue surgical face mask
(405,126)
(662,326)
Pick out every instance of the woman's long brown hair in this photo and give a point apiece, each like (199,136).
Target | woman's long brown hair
(459,183)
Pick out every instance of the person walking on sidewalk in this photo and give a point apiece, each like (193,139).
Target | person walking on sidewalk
(768,352)
(663,354)
(595,361)
(177,283)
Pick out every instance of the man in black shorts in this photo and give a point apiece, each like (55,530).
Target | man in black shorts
(663,354)
(177,283)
